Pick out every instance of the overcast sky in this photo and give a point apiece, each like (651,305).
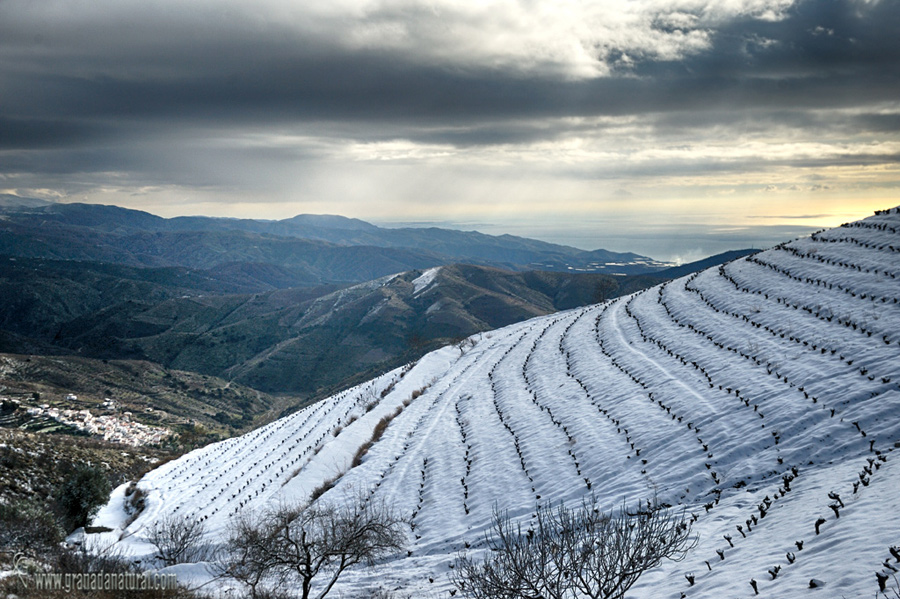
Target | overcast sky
(671,128)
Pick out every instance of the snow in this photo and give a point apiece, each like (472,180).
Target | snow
(422,282)
(708,392)
(322,308)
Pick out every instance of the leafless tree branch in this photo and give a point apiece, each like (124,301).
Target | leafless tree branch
(309,543)
(578,552)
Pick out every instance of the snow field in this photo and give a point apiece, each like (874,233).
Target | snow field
(761,397)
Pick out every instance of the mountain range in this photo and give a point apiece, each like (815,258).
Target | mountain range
(294,340)
(307,249)
(299,306)
(759,396)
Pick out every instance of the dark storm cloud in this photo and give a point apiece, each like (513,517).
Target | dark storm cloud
(755,119)
(40,133)
(84,85)
(145,66)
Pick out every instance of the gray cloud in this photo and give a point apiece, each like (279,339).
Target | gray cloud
(224,95)
(188,62)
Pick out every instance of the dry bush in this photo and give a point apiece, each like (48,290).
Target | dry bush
(178,540)
(379,429)
(323,488)
(388,389)
(573,553)
(360,454)
(377,432)
(135,502)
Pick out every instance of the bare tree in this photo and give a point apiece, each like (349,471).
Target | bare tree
(578,552)
(178,540)
(310,543)
(247,556)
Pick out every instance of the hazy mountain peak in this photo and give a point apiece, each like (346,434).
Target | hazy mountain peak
(331,221)
(94,232)
(14,201)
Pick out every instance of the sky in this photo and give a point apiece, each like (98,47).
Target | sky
(675,129)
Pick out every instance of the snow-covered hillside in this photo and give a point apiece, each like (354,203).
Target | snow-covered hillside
(749,393)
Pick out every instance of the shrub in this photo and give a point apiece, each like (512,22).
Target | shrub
(105,560)
(388,389)
(380,427)
(135,500)
(87,558)
(360,454)
(81,494)
(178,540)
(28,526)
(323,488)
(9,458)
(377,432)
(580,552)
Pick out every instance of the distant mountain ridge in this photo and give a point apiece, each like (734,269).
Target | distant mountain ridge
(319,244)
(250,301)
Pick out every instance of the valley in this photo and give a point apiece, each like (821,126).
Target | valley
(759,396)
(271,304)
